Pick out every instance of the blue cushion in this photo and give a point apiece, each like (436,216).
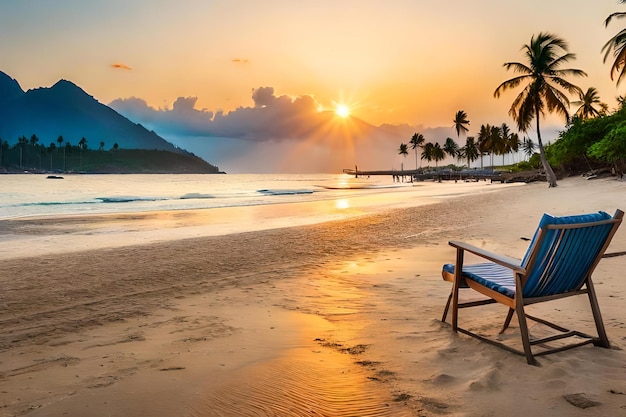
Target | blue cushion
(494,276)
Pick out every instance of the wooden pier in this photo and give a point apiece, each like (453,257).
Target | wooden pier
(443,175)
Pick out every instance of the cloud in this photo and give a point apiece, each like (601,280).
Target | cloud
(182,119)
(121,66)
(271,118)
(277,133)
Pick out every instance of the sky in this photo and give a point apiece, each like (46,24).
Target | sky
(239,82)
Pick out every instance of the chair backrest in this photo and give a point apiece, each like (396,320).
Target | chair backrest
(565,250)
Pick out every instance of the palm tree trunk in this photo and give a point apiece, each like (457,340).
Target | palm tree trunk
(546,166)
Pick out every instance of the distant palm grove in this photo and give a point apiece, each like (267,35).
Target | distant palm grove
(61,156)
(593,138)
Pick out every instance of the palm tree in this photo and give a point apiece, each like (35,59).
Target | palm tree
(428,152)
(438,154)
(503,141)
(513,144)
(460,123)
(22,141)
(485,141)
(115,149)
(543,77)
(469,151)
(51,149)
(617,45)
(403,150)
(528,146)
(451,148)
(60,141)
(417,141)
(82,144)
(587,100)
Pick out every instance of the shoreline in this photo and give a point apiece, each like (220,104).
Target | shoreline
(37,235)
(202,324)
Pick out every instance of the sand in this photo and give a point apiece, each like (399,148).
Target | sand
(333,319)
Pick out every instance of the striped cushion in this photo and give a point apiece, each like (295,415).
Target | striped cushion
(564,259)
(494,276)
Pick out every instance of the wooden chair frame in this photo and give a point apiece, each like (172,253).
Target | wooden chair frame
(517,303)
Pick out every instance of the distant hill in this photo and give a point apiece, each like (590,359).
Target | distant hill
(67,110)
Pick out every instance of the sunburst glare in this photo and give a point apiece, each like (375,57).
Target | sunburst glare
(342,110)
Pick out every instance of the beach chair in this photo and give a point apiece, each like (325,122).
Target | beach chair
(558,263)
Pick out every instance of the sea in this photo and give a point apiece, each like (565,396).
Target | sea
(65,214)
(28,195)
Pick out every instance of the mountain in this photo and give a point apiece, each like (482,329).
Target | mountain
(9,88)
(66,110)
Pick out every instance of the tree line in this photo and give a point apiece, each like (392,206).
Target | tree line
(29,154)
(491,141)
(591,132)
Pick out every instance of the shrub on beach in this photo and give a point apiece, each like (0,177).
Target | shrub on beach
(593,143)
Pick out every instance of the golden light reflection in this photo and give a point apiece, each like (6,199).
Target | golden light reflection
(342,204)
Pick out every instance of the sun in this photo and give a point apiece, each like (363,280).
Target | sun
(342,111)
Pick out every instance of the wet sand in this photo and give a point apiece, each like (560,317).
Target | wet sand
(333,319)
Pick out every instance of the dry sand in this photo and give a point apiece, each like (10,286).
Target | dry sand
(334,319)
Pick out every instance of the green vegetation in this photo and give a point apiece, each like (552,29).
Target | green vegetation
(587,144)
(30,155)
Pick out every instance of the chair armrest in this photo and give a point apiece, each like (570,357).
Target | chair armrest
(506,261)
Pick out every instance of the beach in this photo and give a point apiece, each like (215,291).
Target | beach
(340,318)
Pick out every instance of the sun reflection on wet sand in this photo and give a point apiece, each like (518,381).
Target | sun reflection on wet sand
(320,370)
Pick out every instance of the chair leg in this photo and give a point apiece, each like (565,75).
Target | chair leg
(509,316)
(597,317)
(458,268)
(523,326)
(445,310)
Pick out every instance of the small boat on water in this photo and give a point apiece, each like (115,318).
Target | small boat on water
(54,177)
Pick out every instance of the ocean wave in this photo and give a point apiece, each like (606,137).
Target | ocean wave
(190,196)
(128,199)
(285,192)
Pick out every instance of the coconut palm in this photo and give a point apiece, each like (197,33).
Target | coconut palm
(586,103)
(528,147)
(417,141)
(22,141)
(51,149)
(403,150)
(513,144)
(451,148)
(82,144)
(503,141)
(485,141)
(616,45)
(460,123)
(543,76)
(469,151)
(428,152)
(438,154)
(60,141)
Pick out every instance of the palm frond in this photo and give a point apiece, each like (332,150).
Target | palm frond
(509,84)
(616,15)
(518,67)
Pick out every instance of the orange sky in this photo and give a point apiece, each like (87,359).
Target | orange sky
(410,62)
